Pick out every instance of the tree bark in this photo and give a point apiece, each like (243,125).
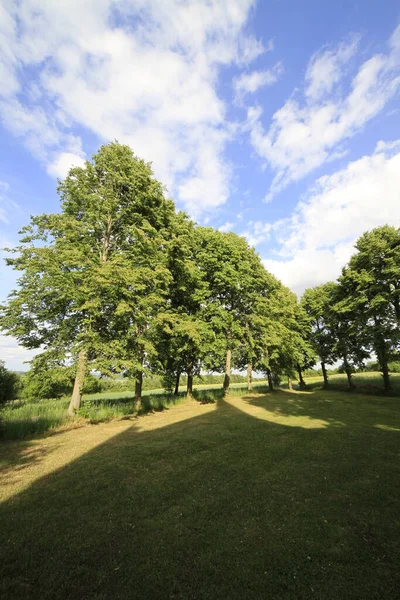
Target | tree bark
(385,373)
(189,389)
(324,373)
(302,383)
(138,390)
(289,383)
(250,376)
(348,372)
(227,379)
(139,380)
(178,377)
(270,382)
(78,384)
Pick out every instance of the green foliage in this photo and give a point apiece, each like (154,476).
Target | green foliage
(120,283)
(10,384)
(47,380)
(371,293)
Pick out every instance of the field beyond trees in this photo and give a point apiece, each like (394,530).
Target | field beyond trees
(283,495)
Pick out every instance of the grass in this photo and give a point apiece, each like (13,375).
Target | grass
(23,418)
(371,382)
(280,496)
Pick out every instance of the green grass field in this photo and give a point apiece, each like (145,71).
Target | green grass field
(275,496)
(27,418)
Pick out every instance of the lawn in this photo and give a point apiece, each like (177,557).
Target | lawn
(274,496)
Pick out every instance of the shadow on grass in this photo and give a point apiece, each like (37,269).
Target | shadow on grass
(218,506)
(209,396)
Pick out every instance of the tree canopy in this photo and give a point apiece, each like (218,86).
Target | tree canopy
(120,282)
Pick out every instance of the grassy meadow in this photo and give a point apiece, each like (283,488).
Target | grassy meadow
(24,418)
(290,495)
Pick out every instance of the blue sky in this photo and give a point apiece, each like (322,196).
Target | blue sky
(277,119)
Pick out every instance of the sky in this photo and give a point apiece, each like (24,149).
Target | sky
(277,119)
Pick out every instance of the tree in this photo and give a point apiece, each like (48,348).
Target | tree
(371,286)
(93,276)
(350,340)
(10,384)
(316,302)
(236,280)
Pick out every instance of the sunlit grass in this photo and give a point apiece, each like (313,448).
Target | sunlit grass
(23,418)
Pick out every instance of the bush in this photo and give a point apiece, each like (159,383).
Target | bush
(45,382)
(10,384)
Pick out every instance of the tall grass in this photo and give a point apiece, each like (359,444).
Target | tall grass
(24,418)
(20,418)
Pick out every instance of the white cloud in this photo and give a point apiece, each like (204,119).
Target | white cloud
(305,134)
(318,239)
(7,207)
(144,72)
(226,227)
(63,163)
(325,69)
(14,355)
(248,83)
(258,232)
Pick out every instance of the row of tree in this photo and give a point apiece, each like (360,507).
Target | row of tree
(120,282)
(360,313)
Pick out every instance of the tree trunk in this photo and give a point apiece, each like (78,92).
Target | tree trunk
(270,382)
(348,372)
(385,373)
(138,390)
(302,383)
(178,377)
(189,389)
(324,373)
(250,376)
(289,383)
(227,379)
(139,380)
(78,384)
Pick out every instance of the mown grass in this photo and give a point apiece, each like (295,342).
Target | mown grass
(19,419)
(285,496)
(364,382)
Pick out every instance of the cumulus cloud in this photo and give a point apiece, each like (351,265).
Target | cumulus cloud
(61,165)
(226,227)
(318,239)
(326,67)
(144,72)
(308,131)
(248,83)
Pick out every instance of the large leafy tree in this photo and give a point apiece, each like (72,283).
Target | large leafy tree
(237,283)
(185,337)
(351,343)
(316,303)
(93,275)
(371,289)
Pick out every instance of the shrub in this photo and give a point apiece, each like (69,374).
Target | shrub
(10,384)
(47,382)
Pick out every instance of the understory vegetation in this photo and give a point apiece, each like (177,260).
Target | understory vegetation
(30,418)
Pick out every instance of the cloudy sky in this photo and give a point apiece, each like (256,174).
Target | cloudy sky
(277,119)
